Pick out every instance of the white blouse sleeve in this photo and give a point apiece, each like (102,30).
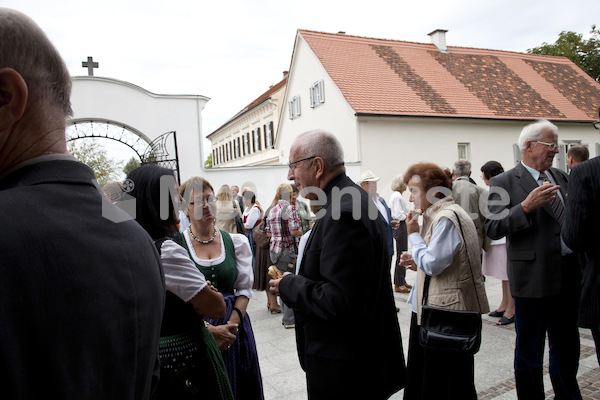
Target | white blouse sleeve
(253,216)
(243,259)
(182,277)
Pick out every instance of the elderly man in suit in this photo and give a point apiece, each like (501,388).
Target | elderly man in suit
(347,332)
(543,272)
(580,232)
(467,195)
(81,297)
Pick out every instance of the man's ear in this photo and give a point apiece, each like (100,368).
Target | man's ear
(319,165)
(13,97)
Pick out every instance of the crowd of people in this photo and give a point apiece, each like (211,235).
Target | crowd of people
(158,307)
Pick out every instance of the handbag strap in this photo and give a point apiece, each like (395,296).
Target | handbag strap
(281,220)
(428,278)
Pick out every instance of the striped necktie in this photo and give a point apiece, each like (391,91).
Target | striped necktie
(556,204)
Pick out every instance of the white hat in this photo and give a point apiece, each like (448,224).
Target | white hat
(367,176)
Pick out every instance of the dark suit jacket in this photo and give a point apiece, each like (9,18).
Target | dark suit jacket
(581,232)
(533,241)
(389,231)
(343,298)
(81,297)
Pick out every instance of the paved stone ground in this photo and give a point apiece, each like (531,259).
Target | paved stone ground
(494,379)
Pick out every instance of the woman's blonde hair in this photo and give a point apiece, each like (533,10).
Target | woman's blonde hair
(284,192)
(224,193)
(398,184)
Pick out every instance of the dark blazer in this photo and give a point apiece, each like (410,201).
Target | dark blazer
(389,231)
(581,233)
(81,297)
(533,241)
(342,296)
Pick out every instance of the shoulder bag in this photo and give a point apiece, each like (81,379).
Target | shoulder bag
(450,330)
(286,261)
(259,235)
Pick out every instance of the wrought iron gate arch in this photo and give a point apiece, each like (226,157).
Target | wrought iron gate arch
(160,151)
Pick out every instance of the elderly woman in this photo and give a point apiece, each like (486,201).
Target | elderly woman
(449,255)
(225,259)
(189,297)
(227,210)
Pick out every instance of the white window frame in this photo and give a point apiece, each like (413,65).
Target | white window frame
(317,94)
(294,107)
(464,151)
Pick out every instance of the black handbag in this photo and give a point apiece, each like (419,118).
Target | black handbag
(450,330)
(286,261)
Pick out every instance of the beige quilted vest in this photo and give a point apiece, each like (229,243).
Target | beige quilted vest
(454,289)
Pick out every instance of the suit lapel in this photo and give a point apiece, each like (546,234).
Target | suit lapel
(527,182)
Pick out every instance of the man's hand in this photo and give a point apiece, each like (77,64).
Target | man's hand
(539,197)
(395,224)
(274,284)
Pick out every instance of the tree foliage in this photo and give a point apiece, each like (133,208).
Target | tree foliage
(584,53)
(132,164)
(94,155)
(208,163)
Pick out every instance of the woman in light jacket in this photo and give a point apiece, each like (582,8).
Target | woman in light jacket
(227,210)
(450,256)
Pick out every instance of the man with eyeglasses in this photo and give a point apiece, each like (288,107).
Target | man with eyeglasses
(581,233)
(543,272)
(347,332)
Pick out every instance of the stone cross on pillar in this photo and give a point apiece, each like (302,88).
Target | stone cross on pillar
(90,65)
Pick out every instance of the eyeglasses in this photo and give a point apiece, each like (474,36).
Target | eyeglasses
(292,165)
(551,146)
(200,201)
(596,124)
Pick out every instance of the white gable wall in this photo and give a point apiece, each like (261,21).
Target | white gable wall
(391,145)
(334,115)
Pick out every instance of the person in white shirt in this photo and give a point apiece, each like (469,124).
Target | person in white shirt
(400,210)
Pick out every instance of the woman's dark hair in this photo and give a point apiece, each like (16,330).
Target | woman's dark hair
(147,192)
(249,195)
(430,175)
(491,169)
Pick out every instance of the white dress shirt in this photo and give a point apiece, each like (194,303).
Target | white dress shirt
(399,206)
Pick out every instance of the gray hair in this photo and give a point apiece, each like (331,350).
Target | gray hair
(534,131)
(398,184)
(322,144)
(25,48)
(462,168)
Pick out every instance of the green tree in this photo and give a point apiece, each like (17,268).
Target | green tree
(94,155)
(584,53)
(208,163)
(132,164)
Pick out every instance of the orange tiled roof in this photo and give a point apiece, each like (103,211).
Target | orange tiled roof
(388,77)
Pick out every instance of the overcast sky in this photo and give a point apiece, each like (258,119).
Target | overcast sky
(232,50)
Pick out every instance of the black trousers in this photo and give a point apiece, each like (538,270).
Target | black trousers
(557,317)
(437,375)
(401,238)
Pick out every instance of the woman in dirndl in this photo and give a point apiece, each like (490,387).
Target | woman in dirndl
(191,365)
(226,260)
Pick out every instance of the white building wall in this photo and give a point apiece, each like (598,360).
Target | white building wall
(391,145)
(334,115)
(151,114)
